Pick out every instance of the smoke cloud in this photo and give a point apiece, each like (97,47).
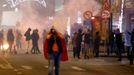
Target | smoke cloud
(36,16)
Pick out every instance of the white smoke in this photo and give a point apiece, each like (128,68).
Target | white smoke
(35,19)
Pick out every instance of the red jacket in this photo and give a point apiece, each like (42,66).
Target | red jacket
(64,55)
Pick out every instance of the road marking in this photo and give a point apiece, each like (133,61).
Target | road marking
(15,70)
(19,73)
(46,66)
(6,66)
(124,62)
(27,67)
(78,68)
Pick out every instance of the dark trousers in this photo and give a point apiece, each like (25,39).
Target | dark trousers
(131,54)
(35,48)
(54,61)
(96,50)
(119,53)
(78,51)
(128,51)
(74,52)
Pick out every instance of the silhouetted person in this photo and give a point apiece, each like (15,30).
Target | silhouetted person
(74,44)
(132,51)
(97,44)
(127,39)
(10,39)
(66,36)
(78,42)
(28,37)
(35,38)
(87,41)
(112,42)
(119,44)
(18,39)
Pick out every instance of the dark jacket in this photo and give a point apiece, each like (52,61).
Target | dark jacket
(97,40)
(35,37)
(87,38)
(132,37)
(51,42)
(10,36)
(118,39)
(27,35)
(79,39)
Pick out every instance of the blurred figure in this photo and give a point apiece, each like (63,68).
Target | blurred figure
(1,39)
(28,37)
(66,36)
(97,44)
(35,38)
(74,44)
(44,35)
(18,39)
(87,44)
(118,37)
(78,42)
(55,50)
(127,39)
(132,51)
(10,39)
(112,42)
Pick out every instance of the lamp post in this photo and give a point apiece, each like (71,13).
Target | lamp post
(110,28)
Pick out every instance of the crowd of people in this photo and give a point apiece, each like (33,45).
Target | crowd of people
(118,45)
(14,39)
(84,45)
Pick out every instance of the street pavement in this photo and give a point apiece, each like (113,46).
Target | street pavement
(35,64)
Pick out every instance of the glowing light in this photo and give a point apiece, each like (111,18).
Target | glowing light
(4,46)
(16,10)
(51,18)
(4,5)
(69,26)
(93,18)
(121,16)
(79,20)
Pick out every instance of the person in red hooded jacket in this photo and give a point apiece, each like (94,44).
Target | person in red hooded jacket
(55,50)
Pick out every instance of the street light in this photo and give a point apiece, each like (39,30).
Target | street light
(92,18)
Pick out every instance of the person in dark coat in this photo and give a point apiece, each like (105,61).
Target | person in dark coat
(55,50)
(78,42)
(132,51)
(74,44)
(10,39)
(112,42)
(87,41)
(97,44)
(28,37)
(118,37)
(35,38)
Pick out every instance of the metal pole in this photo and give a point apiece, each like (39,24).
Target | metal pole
(110,30)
